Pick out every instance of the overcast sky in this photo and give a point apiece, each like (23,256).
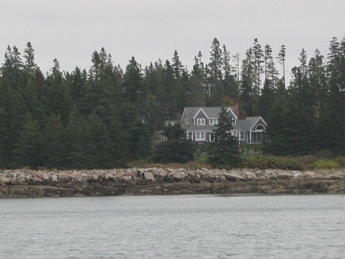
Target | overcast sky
(71,30)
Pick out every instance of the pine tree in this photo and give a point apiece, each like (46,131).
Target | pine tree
(29,64)
(100,143)
(133,85)
(335,112)
(215,85)
(177,149)
(196,93)
(230,85)
(224,151)
(281,57)
(28,150)
(54,143)
(78,142)
(247,84)
(177,65)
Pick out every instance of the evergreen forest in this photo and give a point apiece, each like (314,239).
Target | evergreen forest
(106,116)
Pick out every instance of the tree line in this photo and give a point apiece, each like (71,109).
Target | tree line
(105,116)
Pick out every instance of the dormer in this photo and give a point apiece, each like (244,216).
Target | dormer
(200,117)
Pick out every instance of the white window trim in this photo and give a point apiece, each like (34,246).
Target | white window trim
(259,125)
(244,135)
(200,121)
(210,138)
(200,136)
(214,121)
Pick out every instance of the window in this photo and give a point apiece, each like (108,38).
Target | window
(213,121)
(199,135)
(260,127)
(242,135)
(212,137)
(200,121)
(189,135)
(234,133)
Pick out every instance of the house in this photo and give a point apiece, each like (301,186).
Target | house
(199,122)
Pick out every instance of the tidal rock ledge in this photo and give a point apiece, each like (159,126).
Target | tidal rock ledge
(166,181)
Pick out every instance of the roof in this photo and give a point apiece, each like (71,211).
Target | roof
(213,112)
(248,123)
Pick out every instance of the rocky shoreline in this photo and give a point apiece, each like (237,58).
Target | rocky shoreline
(166,181)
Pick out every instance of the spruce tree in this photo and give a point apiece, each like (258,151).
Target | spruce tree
(224,151)
(54,143)
(215,85)
(28,150)
(177,149)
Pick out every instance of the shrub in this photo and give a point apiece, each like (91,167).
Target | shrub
(265,162)
(325,165)
(341,161)
(324,153)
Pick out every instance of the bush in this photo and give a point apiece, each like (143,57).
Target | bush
(341,161)
(174,151)
(325,165)
(265,162)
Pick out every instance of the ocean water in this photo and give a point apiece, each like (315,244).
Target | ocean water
(193,226)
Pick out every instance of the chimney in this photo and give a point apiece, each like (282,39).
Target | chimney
(237,110)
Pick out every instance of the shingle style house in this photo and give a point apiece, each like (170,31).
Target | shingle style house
(200,121)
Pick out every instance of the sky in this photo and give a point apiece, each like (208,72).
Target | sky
(71,30)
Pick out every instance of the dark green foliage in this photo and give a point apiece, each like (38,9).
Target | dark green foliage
(78,141)
(265,162)
(224,151)
(103,117)
(28,149)
(54,139)
(174,132)
(177,149)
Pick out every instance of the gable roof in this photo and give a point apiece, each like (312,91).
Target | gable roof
(210,112)
(201,110)
(248,123)
(255,120)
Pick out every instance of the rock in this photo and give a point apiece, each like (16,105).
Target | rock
(297,175)
(309,174)
(249,175)
(162,173)
(126,178)
(233,176)
(284,175)
(36,180)
(110,176)
(21,180)
(38,174)
(222,178)
(177,176)
(63,177)
(149,176)
(5,180)
(120,174)
(54,178)
(14,181)
(45,176)
(270,174)
(20,176)
(337,176)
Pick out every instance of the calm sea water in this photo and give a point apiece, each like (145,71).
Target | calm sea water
(173,227)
